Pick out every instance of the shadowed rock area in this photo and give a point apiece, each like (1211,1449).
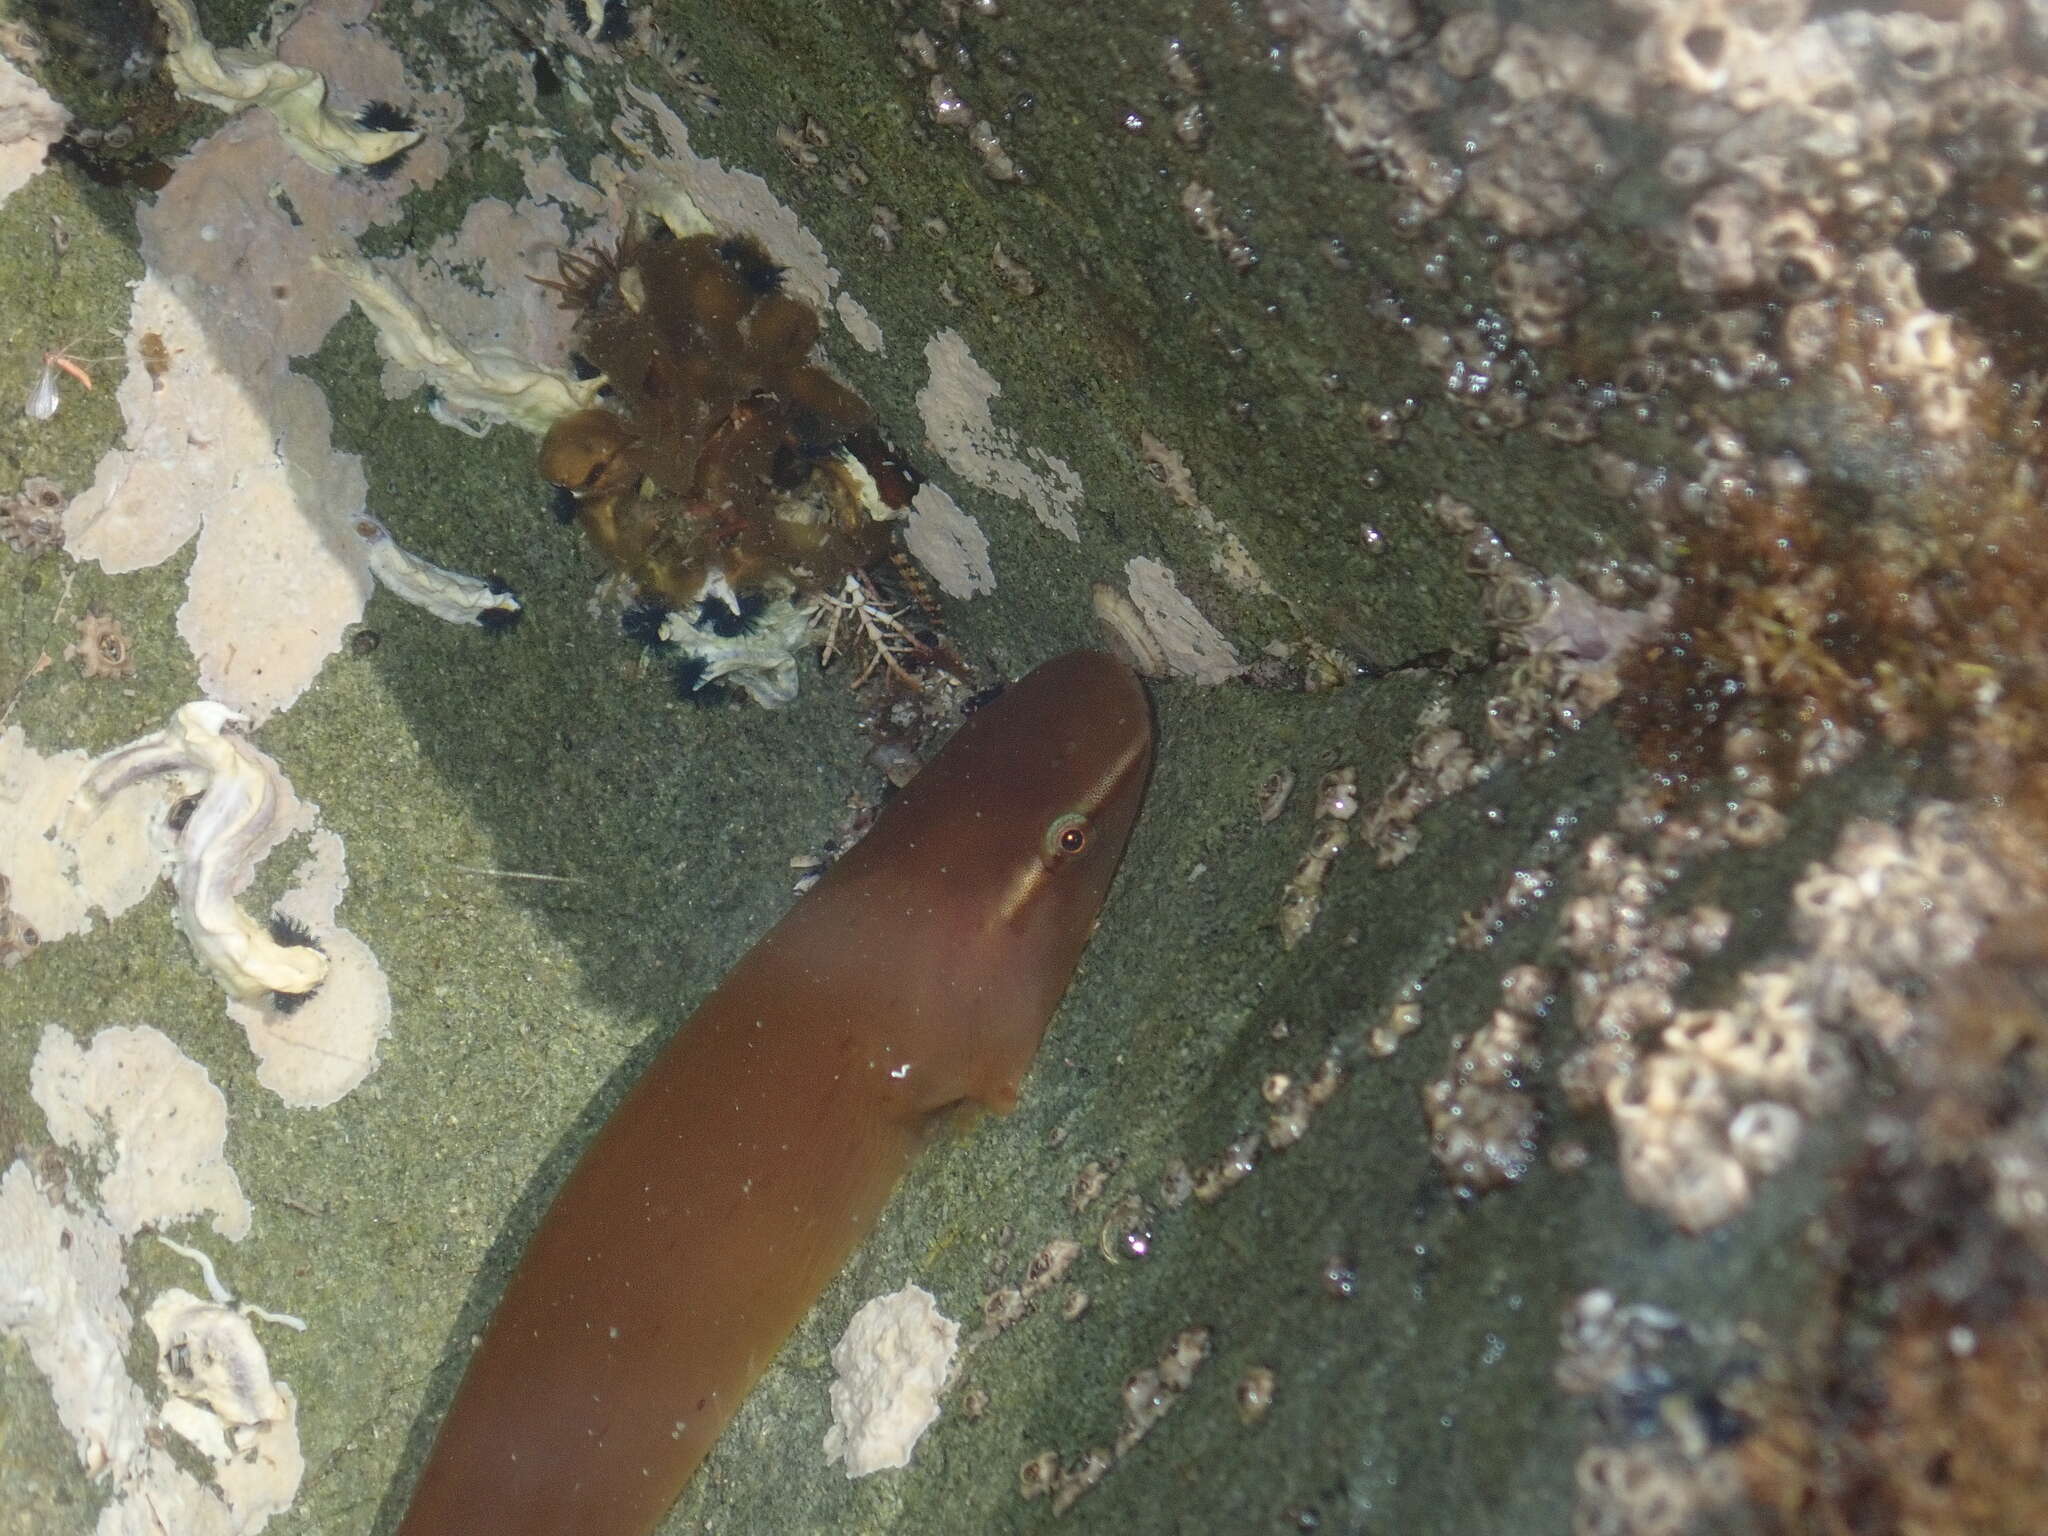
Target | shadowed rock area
(1565,1049)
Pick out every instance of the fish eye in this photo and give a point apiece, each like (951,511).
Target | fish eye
(1067,836)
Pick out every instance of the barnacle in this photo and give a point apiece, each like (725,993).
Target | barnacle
(32,518)
(1483,1119)
(724,452)
(103,648)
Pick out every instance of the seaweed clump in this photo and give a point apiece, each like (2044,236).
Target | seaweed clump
(1813,617)
(723,453)
(1920,1405)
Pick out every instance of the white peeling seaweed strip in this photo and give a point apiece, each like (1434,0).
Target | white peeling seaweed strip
(233,79)
(238,797)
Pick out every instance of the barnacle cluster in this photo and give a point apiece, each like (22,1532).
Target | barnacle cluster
(922,52)
(1302,900)
(1708,1101)
(1841,199)
(728,477)
(1008,1305)
(1628,963)
(1295,1100)
(1237,1162)
(1843,212)
(1482,1111)
(32,518)
(1149,1394)
(1671,1399)
(1441,763)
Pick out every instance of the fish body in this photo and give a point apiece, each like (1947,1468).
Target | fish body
(753,1156)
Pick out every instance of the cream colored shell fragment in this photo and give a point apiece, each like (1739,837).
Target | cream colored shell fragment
(225,1402)
(238,803)
(151,1119)
(955,404)
(30,122)
(61,1278)
(56,886)
(893,1362)
(488,381)
(762,661)
(233,79)
(1159,630)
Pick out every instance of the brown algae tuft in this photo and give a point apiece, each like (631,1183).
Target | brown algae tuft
(724,451)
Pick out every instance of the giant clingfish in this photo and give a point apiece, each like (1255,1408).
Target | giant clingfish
(726,1191)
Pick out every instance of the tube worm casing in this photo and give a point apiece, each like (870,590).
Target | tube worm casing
(740,1172)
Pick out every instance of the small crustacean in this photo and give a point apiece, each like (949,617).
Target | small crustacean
(44,399)
(156,358)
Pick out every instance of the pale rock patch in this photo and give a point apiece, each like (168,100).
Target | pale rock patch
(955,404)
(151,1119)
(1192,647)
(30,122)
(894,1360)
(108,867)
(948,543)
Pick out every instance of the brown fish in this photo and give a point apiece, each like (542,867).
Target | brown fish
(726,1191)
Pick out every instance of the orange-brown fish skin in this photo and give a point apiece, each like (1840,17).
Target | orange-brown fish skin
(747,1164)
